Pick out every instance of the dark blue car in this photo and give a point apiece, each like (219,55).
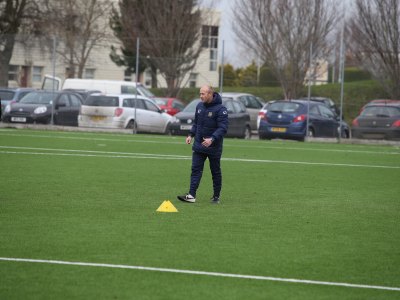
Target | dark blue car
(287,119)
(239,119)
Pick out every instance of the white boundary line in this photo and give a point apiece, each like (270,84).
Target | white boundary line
(176,157)
(229,275)
(179,141)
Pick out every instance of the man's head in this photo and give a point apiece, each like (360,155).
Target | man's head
(206,93)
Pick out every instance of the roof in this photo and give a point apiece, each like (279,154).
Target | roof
(233,94)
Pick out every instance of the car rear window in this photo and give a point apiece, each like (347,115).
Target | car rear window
(102,101)
(381,111)
(191,107)
(284,107)
(160,101)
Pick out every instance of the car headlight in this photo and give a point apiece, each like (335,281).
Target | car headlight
(40,110)
(175,120)
(7,109)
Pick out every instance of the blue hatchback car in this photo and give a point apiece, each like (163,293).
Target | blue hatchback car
(287,119)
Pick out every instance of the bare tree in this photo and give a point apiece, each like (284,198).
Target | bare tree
(281,32)
(375,41)
(78,27)
(169,32)
(15,17)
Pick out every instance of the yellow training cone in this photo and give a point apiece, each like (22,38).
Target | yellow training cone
(167,206)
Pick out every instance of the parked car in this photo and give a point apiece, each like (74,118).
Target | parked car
(378,121)
(262,112)
(239,119)
(118,111)
(251,102)
(39,106)
(288,119)
(84,93)
(327,101)
(8,95)
(379,101)
(170,105)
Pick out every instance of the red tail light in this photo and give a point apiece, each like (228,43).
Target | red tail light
(300,118)
(355,123)
(262,115)
(396,123)
(118,111)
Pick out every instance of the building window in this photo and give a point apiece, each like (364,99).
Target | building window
(213,59)
(13,72)
(37,74)
(209,36)
(147,78)
(127,75)
(192,80)
(89,74)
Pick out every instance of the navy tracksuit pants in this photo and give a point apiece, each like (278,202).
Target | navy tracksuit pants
(198,160)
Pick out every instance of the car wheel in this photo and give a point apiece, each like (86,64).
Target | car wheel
(311,132)
(131,125)
(247,133)
(345,134)
(168,129)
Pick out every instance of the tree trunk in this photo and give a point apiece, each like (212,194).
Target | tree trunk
(5,57)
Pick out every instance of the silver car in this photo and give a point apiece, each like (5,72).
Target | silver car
(118,111)
(251,102)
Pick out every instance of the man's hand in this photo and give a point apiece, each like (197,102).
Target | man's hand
(207,142)
(188,139)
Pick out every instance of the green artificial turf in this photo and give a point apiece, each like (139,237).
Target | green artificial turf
(309,211)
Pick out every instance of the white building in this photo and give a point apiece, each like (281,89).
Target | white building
(29,63)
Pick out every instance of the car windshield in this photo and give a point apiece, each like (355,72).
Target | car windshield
(381,111)
(102,101)
(6,95)
(38,98)
(227,98)
(191,107)
(161,101)
(284,107)
(145,91)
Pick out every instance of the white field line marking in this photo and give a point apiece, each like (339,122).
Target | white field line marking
(94,139)
(155,156)
(226,144)
(161,156)
(94,151)
(217,274)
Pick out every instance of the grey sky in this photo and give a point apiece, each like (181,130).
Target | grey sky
(233,52)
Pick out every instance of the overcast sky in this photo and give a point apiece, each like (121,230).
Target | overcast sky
(233,52)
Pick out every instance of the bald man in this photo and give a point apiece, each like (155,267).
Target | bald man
(208,130)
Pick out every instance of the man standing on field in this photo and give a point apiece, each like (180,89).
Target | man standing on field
(208,130)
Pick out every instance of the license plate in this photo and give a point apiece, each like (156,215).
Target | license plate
(278,129)
(97,118)
(186,127)
(18,119)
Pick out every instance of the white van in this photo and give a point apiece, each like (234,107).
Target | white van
(104,86)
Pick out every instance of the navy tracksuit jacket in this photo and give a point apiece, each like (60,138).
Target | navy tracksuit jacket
(211,120)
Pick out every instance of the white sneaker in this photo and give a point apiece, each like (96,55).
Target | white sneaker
(187,198)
